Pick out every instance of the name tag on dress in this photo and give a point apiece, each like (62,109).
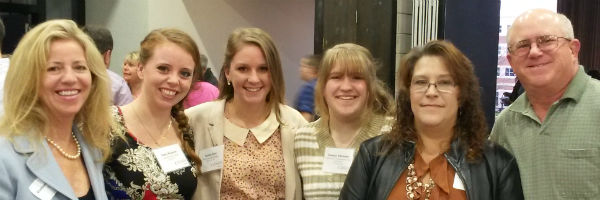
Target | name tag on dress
(41,190)
(171,158)
(212,158)
(337,160)
(458,184)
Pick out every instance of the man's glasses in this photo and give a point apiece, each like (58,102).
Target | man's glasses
(544,43)
(421,85)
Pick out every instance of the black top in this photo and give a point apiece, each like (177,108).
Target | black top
(373,174)
(133,172)
(88,196)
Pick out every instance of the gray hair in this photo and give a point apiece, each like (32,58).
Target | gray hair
(564,23)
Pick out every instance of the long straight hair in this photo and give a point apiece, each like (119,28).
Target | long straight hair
(355,59)
(255,36)
(23,108)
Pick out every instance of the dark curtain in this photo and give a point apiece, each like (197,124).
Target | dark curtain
(473,27)
(585,16)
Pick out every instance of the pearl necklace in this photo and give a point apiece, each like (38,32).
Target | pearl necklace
(413,186)
(65,154)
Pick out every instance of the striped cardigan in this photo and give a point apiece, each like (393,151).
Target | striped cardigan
(309,147)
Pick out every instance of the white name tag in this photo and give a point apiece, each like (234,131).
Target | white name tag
(337,160)
(171,158)
(41,190)
(458,184)
(212,158)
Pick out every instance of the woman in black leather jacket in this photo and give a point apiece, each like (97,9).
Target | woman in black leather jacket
(438,147)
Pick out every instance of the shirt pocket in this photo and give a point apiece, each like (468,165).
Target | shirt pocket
(579,173)
(583,153)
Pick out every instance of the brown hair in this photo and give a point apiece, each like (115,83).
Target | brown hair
(183,40)
(356,60)
(255,36)
(470,125)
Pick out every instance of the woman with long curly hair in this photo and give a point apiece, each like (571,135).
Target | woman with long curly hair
(438,147)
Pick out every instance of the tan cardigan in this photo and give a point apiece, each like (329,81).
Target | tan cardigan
(206,121)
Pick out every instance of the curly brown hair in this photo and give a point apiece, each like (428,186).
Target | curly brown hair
(470,124)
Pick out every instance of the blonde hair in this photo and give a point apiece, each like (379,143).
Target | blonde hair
(23,108)
(133,57)
(254,36)
(355,59)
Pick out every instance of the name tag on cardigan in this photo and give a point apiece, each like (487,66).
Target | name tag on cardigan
(337,160)
(458,184)
(171,158)
(212,158)
(41,190)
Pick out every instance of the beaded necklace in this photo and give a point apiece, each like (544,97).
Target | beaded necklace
(65,154)
(415,188)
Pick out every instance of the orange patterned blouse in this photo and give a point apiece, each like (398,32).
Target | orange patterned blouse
(442,174)
(254,170)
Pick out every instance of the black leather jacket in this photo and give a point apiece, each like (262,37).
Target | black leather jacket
(373,175)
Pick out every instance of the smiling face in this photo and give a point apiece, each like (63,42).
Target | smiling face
(541,69)
(345,93)
(66,80)
(167,75)
(249,75)
(433,108)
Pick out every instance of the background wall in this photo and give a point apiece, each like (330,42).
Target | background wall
(209,22)
(127,21)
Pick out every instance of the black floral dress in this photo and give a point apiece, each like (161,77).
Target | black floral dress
(133,172)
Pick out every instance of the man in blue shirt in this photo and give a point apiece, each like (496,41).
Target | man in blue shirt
(305,101)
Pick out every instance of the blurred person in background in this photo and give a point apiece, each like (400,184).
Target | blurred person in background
(201,91)
(121,95)
(130,75)
(305,101)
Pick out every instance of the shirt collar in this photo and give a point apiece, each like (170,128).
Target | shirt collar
(261,132)
(577,86)
(574,91)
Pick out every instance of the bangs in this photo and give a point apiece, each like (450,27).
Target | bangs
(351,63)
